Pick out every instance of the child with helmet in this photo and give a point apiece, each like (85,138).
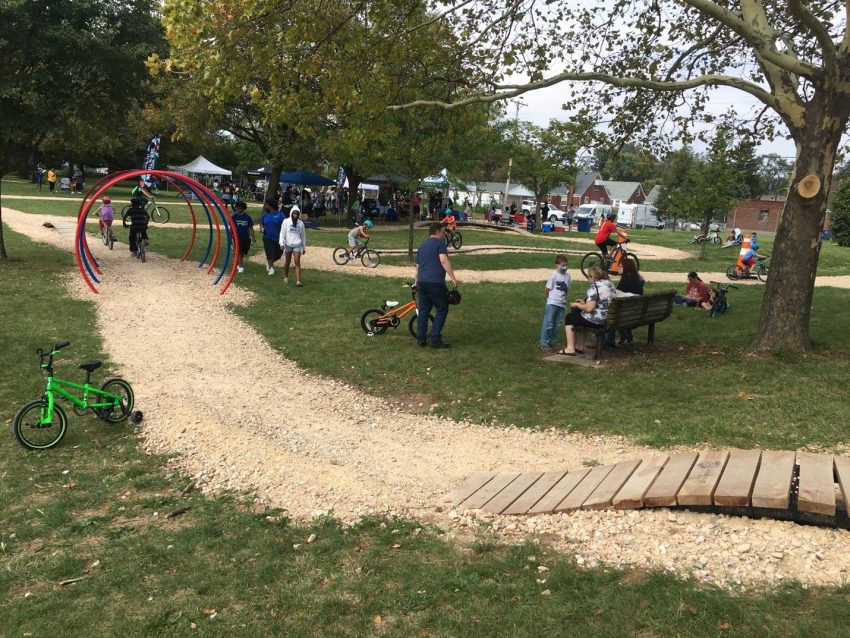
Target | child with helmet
(356,236)
(608,228)
(105,215)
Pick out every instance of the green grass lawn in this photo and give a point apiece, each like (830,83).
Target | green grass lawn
(96,508)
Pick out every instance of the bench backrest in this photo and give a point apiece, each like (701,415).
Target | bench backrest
(640,310)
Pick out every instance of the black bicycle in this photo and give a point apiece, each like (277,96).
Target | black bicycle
(720,304)
(368,257)
(454,239)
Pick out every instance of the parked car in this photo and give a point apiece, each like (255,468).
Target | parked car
(554,214)
(526,206)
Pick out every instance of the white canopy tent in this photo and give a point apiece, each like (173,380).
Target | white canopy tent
(200,166)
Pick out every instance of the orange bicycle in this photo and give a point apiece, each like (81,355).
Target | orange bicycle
(376,321)
(611,263)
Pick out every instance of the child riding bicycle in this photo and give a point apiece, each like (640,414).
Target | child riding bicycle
(749,258)
(138,218)
(356,236)
(608,228)
(105,216)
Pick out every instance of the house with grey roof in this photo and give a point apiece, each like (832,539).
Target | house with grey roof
(624,193)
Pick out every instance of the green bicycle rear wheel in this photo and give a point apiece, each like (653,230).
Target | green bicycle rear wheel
(31,433)
(127,399)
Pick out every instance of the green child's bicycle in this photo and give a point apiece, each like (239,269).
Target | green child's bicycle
(42,423)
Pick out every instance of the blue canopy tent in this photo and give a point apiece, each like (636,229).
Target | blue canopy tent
(305,178)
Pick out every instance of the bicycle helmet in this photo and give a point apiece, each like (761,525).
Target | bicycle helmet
(106,200)
(612,216)
(453,296)
(368,223)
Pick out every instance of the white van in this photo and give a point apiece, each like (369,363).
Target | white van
(638,216)
(592,211)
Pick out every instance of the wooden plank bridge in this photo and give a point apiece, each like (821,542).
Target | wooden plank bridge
(798,486)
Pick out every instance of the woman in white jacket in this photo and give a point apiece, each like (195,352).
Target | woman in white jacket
(293,241)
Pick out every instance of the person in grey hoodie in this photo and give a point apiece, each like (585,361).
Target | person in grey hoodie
(293,241)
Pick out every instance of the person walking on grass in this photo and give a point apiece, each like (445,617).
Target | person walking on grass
(271,222)
(244,232)
(432,266)
(51,179)
(557,288)
(293,242)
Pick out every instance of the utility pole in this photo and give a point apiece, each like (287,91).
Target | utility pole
(517,103)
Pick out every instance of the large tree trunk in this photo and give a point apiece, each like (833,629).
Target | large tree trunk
(273,188)
(784,322)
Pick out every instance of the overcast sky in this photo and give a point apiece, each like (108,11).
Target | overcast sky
(545,104)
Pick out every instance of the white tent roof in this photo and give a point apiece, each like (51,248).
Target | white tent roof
(201,166)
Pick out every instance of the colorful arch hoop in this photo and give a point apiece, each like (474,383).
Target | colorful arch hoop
(89,267)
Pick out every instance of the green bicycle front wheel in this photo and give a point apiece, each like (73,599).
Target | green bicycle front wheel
(126,398)
(30,431)
(160,214)
(761,272)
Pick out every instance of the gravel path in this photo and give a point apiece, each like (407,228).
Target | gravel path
(240,415)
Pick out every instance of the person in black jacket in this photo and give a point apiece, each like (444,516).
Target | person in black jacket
(138,219)
(630,282)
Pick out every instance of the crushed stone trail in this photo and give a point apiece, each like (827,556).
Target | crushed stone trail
(240,415)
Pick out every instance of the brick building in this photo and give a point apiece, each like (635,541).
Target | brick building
(756,214)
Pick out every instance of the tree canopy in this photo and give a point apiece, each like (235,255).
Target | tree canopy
(71,72)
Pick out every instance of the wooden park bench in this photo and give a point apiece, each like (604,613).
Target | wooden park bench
(626,313)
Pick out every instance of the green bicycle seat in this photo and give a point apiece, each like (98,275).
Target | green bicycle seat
(91,366)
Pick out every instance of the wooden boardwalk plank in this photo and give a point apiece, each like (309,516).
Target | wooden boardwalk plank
(631,495)
(735,488)
(534,493)
(558,493)
(842,471)
(773,483)
(604,494)
(488,491)
(698,488)
(579,495)
(511,493)
(469,487)
(817,484)
(663,491)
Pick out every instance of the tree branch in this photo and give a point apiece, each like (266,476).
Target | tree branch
(508,91)
(439,16)
(808,20)
(760,41)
